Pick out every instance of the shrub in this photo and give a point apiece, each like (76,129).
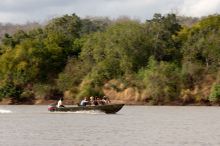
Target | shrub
(161,81)
(89,90)
(26,97)
(29,95)
(9,89)
(47,92)
(41,90)
(192,73)
(53,94)
(187,96)
(64,81)
(72,75)
(215,93)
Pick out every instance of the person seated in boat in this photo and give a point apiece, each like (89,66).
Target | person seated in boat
(93,101)
(60,103)
(84,102)
(100,101)
(106,100)
(96,102)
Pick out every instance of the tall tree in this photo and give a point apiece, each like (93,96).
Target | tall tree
(203,41)
(161,30)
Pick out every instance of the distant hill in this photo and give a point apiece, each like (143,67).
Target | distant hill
(187,21)
(12,28)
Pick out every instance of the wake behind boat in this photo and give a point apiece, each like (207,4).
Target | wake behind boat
(108,108)
(5,111)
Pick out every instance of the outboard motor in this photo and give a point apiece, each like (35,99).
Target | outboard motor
(51,107)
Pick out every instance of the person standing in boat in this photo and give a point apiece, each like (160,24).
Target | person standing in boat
(60,103)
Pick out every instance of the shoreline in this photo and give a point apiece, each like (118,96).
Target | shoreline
(7,101)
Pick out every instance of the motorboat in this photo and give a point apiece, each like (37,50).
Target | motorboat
(107,108)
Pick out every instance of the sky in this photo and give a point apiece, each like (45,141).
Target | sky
(22,11)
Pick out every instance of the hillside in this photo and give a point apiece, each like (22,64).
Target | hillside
(166,60)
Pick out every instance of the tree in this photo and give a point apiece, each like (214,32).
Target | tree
(203,41)
(61,33)
(124,42)
(8,40)
(94,24)
(161,30)
(161,81)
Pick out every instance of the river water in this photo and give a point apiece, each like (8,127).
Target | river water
(132,126)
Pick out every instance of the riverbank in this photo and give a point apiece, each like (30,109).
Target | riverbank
(8,101)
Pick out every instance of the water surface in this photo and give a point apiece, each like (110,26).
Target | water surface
(132,126)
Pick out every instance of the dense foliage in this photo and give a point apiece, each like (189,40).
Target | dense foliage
(161,58)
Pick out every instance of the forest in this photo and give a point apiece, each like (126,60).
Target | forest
(168,59)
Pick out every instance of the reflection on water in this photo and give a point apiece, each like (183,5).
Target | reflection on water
(132,126)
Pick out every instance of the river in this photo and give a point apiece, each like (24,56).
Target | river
(132,126)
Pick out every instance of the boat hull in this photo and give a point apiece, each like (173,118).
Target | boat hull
(109,108)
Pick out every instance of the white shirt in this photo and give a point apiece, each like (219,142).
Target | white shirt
(59,103)
(83,102)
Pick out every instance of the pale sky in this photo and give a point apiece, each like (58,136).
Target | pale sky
(22,11)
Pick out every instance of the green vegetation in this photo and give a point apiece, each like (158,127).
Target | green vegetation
(215,93)
(159,61)
(161,81)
